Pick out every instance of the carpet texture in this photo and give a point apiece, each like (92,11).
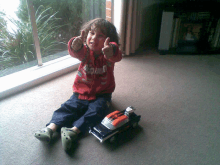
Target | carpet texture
(177,96)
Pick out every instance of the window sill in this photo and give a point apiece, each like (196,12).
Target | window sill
(33,76)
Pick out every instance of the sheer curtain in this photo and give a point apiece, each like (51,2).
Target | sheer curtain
(130,26)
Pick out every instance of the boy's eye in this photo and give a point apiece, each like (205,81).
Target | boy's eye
(94,33)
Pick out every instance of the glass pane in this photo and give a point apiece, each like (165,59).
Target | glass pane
(93,9)
(59,20)
(17,51)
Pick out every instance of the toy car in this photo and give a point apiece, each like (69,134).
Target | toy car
(114,123)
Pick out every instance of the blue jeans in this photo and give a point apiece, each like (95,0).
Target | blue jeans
(81,113)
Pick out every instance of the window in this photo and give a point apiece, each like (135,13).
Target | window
(56,22)
(16,41)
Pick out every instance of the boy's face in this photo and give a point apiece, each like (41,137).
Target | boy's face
(95,40)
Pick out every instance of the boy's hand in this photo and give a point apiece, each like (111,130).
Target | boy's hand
(78,41)
(107,49)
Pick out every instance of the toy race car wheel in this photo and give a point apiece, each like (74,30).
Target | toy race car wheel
(113,139)
(134,125)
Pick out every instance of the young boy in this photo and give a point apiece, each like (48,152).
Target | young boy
(93,85)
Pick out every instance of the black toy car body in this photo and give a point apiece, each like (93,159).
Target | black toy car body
(114,123)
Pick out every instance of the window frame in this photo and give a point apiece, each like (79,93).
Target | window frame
(30,77)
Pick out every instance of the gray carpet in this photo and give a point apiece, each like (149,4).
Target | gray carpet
(177,96)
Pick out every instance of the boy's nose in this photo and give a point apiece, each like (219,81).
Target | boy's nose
(94,37)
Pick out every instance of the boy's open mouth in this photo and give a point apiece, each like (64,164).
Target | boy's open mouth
(92,43)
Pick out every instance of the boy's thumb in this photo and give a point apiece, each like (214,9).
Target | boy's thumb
(82,35)
(107,40)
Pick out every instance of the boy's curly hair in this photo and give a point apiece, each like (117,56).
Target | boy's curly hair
(105,26)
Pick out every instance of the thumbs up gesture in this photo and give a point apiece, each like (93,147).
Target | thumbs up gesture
(78,41)
(107,49)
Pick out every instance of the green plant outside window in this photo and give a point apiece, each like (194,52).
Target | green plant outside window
(57,21)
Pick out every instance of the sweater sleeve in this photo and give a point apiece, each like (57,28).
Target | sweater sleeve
(80,54)
(117,53)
